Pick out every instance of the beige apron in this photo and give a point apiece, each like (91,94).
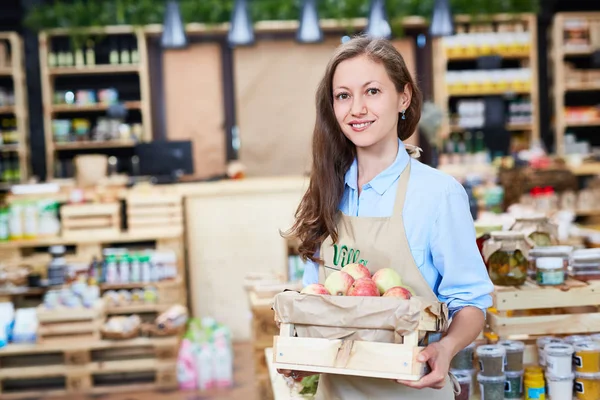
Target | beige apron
(377,243)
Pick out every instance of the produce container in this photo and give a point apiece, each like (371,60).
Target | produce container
(376,337)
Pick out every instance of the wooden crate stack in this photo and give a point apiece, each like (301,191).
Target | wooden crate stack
(91,219)
(70,324)
(530,311)
(88,368)
(154,211)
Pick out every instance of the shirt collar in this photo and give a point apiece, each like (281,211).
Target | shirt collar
(384,180)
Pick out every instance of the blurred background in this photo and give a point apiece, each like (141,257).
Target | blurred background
(151,151)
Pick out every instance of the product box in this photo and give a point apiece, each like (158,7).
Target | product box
(377,337)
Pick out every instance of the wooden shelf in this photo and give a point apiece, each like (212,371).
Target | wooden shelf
(508,56)
(582,123)
(7,109)
(510,127)
(9,148)
(123,237)
(6,71)
(577,52)
(94,70)
(130,105)
(476,94)
(582,88)
(137,308)
(94,145)
(592,168)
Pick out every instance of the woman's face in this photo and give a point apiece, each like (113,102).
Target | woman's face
(366,102)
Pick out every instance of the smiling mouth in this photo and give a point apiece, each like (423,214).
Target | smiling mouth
(361,125)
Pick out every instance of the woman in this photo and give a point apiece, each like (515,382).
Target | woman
(368,193)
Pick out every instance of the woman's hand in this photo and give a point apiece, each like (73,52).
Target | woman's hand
(438,357)
(295,375)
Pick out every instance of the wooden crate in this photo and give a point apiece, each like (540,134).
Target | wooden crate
(151,211)
(70,324)
(90,219)
(529,311)
(93,367)
(354,357)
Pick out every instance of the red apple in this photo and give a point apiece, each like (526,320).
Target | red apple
(315,288)
(338,283)
(403,292)
(363,287)
(385,279)
(357,271)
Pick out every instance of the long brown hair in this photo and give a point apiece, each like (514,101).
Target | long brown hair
(333,153)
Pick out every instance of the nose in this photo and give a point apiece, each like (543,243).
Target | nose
(358,106)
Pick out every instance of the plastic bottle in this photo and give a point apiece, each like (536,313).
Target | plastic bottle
(145,266)
(124,269)
(112,274)
(223,363)
(186,366)
(204,367)
(136,268)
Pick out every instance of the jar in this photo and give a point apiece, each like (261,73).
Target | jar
(464,358)
(513,388)
(550,271)
(491,387)
(560,387)
(541,343)
(464,380)
(514,354)
(587,386)
(534,388)
(538,230)
(587,357)
(564,252)
(492,359)
(572,339)
(559,359)
(483,233)
(506,257)
(585,264)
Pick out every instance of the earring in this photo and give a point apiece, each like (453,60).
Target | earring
(403,116)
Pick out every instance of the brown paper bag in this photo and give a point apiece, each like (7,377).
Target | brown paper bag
(373,319)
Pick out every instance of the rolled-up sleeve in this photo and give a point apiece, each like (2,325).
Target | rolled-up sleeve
(464,277)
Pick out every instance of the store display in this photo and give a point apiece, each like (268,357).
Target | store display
(587,357)
(514,354)
(492,360)
(464,358)
(587,386)
(563,252)
(514,385)
(538,230)
(484,82)
(560,387)
(491,387)
(550,271)
(464,380)
(506,254)
(559,358)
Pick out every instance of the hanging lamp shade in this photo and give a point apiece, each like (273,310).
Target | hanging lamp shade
(173,35)
(378,25)
(442,23)
(309,30)
(241,31)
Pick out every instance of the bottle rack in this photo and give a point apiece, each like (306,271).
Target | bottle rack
(575,38)
(459,86)
(83,85)
(14,147)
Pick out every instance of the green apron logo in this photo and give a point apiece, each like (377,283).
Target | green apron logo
(343,256)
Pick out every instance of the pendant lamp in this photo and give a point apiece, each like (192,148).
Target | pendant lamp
(173,35)
(442,23)
(241,31)
(309,30)
(378,25)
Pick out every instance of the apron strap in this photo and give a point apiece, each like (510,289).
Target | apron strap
(402,190)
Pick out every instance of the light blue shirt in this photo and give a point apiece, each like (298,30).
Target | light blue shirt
(438,225)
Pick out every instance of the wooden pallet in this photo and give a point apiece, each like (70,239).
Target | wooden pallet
(529,311)
(153,210)
(95,367)
(90,219)
(68,324)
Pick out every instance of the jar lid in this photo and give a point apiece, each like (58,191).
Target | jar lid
(514,374)
(549,263)
(507,235)
(586,346)
(576,338)
(555,378)
(544,340)
(512,346)
(491,379)
(491,350)
(531,218)
(482,228)
(551,250)
(559,349)
(462,377)
(585,375)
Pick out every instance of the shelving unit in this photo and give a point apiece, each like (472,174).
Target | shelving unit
(12,71)
(448,58)
(566,50)
(102,73)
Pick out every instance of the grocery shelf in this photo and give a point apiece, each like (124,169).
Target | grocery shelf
(94,70)
(491,93)
(137,308)
(130,105)
(592,168)
(508,56)
(7,110)
(510,127)
(582,123)
(577,52)
(8,148)
(582,88)
(109,144)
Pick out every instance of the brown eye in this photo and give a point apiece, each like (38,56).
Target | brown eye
(342,96)
(372,91)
